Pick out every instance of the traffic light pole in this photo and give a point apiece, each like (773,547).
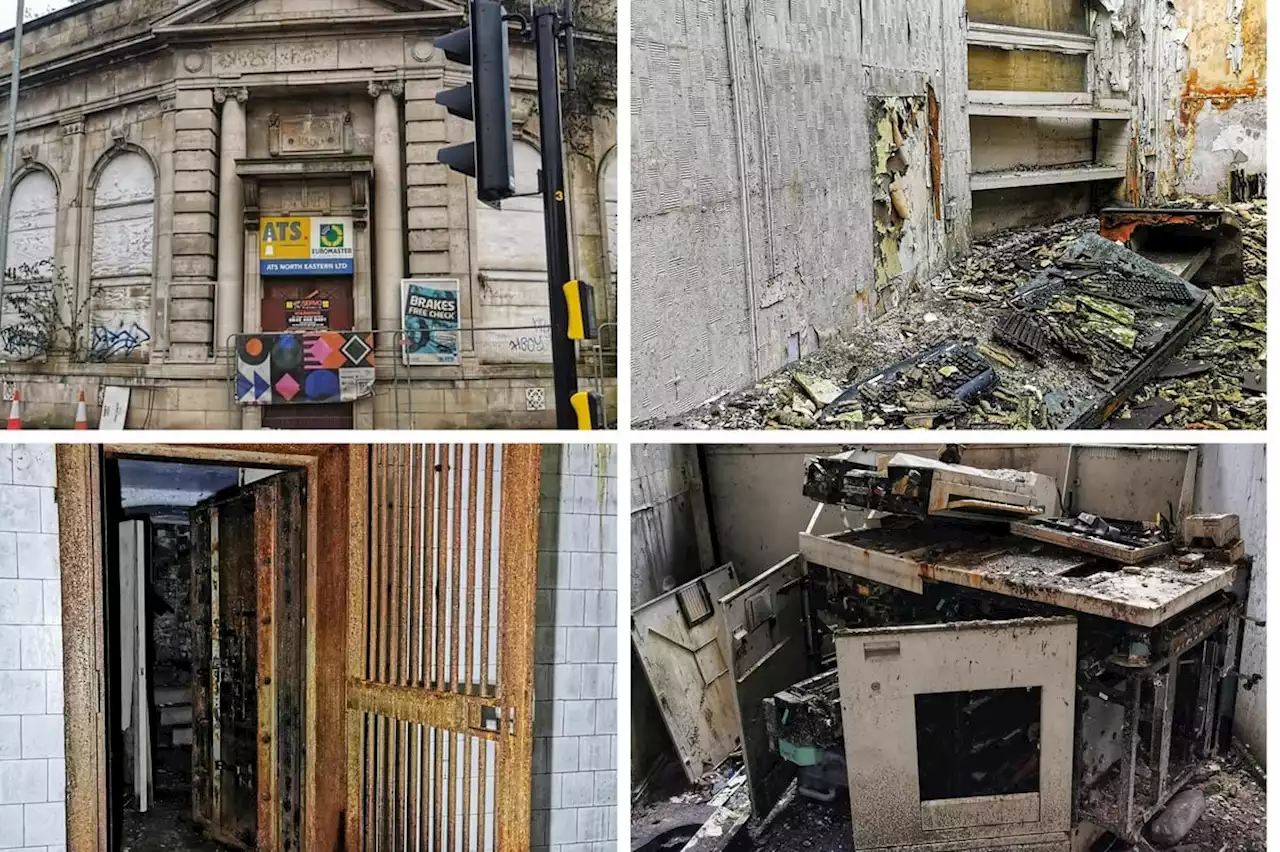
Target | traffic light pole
(546,31)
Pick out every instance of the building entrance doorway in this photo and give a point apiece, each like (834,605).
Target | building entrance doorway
(308,304)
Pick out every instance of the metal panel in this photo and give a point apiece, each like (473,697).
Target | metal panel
(765,623)
(440,654)
(881,674)
(688,670)
(1132,483)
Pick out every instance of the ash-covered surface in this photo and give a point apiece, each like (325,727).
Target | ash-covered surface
(166,827)
(668,801)
(1234,819)
(965,303)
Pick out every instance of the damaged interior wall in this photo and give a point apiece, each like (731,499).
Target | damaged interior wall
(1213,62)
(772,197)
(798,168)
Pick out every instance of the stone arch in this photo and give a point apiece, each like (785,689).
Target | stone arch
(122,261)
(511,260)
(33,219)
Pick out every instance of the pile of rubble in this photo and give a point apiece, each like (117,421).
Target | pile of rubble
(1078,344)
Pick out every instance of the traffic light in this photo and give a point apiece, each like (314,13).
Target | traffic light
(486,100)
(589,408)
(580,297)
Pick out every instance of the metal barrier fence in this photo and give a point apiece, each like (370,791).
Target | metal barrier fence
(325,354)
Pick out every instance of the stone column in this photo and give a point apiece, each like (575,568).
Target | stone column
(234,142)
(388,207)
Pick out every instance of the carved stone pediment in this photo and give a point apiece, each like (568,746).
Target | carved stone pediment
(207,19)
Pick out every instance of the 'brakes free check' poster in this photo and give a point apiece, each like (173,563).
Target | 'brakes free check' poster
(431,320)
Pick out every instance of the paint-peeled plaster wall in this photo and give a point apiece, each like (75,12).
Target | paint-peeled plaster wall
(1214,73)
(32,749)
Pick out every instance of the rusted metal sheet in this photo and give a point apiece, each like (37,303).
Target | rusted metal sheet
(428,712)
(265,527)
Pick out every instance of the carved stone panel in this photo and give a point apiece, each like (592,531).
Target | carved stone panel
(313,134)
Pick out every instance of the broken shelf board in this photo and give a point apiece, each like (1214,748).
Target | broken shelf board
(1044,177)
(1092,545)
(1019,568)
(1026,38)
(1046,111)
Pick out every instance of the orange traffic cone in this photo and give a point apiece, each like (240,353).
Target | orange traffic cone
(82,416)
(15,413)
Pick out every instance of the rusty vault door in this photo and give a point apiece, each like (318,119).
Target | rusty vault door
(247,556)
(440,651)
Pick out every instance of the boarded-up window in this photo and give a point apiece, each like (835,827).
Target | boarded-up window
(994,69)
(33,215)
(511,296)
(123,254)
(1064,16)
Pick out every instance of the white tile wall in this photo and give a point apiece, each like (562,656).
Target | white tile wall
(575,676)
(32,769)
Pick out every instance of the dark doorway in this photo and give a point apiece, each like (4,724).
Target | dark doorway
(184,636)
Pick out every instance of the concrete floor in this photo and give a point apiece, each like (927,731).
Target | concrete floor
(165,827)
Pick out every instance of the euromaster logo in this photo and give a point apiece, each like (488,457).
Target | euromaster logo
(332,235)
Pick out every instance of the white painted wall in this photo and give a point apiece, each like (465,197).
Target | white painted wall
(576,661)
(32,741)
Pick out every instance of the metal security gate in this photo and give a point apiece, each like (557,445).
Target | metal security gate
(440,650)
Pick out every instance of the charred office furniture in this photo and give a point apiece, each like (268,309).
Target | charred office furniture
(991,691)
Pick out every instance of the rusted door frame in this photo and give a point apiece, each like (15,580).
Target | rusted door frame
(80,509)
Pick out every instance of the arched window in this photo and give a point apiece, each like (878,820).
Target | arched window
(511,293)
(33,215)
(120,276)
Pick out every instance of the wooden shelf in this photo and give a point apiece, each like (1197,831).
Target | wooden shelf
(1044,177)
(1046,111)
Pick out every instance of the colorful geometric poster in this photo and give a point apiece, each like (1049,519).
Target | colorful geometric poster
(431,319)
(303,367)
(306,245)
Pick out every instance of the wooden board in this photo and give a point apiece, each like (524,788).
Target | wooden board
(1019,568)
(1066,16)
(996,69)
(688,669)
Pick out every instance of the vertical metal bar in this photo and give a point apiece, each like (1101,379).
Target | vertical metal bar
(385,573)
(486,685)
(411,563)
(380,781)
(438,817)
(428,562)
(394,514)
(370,777)
(473,539)
(357,724)
(1162,730)
(376,515)
(455,571)
(453,738)
(467,743)
(442,551)
(484,795)
(1129,752)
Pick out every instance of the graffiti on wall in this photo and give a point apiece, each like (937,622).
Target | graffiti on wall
(303,367)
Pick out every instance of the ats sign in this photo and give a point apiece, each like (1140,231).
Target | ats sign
(306,245)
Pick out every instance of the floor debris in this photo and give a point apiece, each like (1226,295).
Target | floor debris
(1072,346)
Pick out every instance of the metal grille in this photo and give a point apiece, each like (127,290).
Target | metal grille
(440,699)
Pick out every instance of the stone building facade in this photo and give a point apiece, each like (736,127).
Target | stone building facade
(158,143)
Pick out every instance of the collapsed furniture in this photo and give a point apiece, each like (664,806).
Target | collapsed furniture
(976,685)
